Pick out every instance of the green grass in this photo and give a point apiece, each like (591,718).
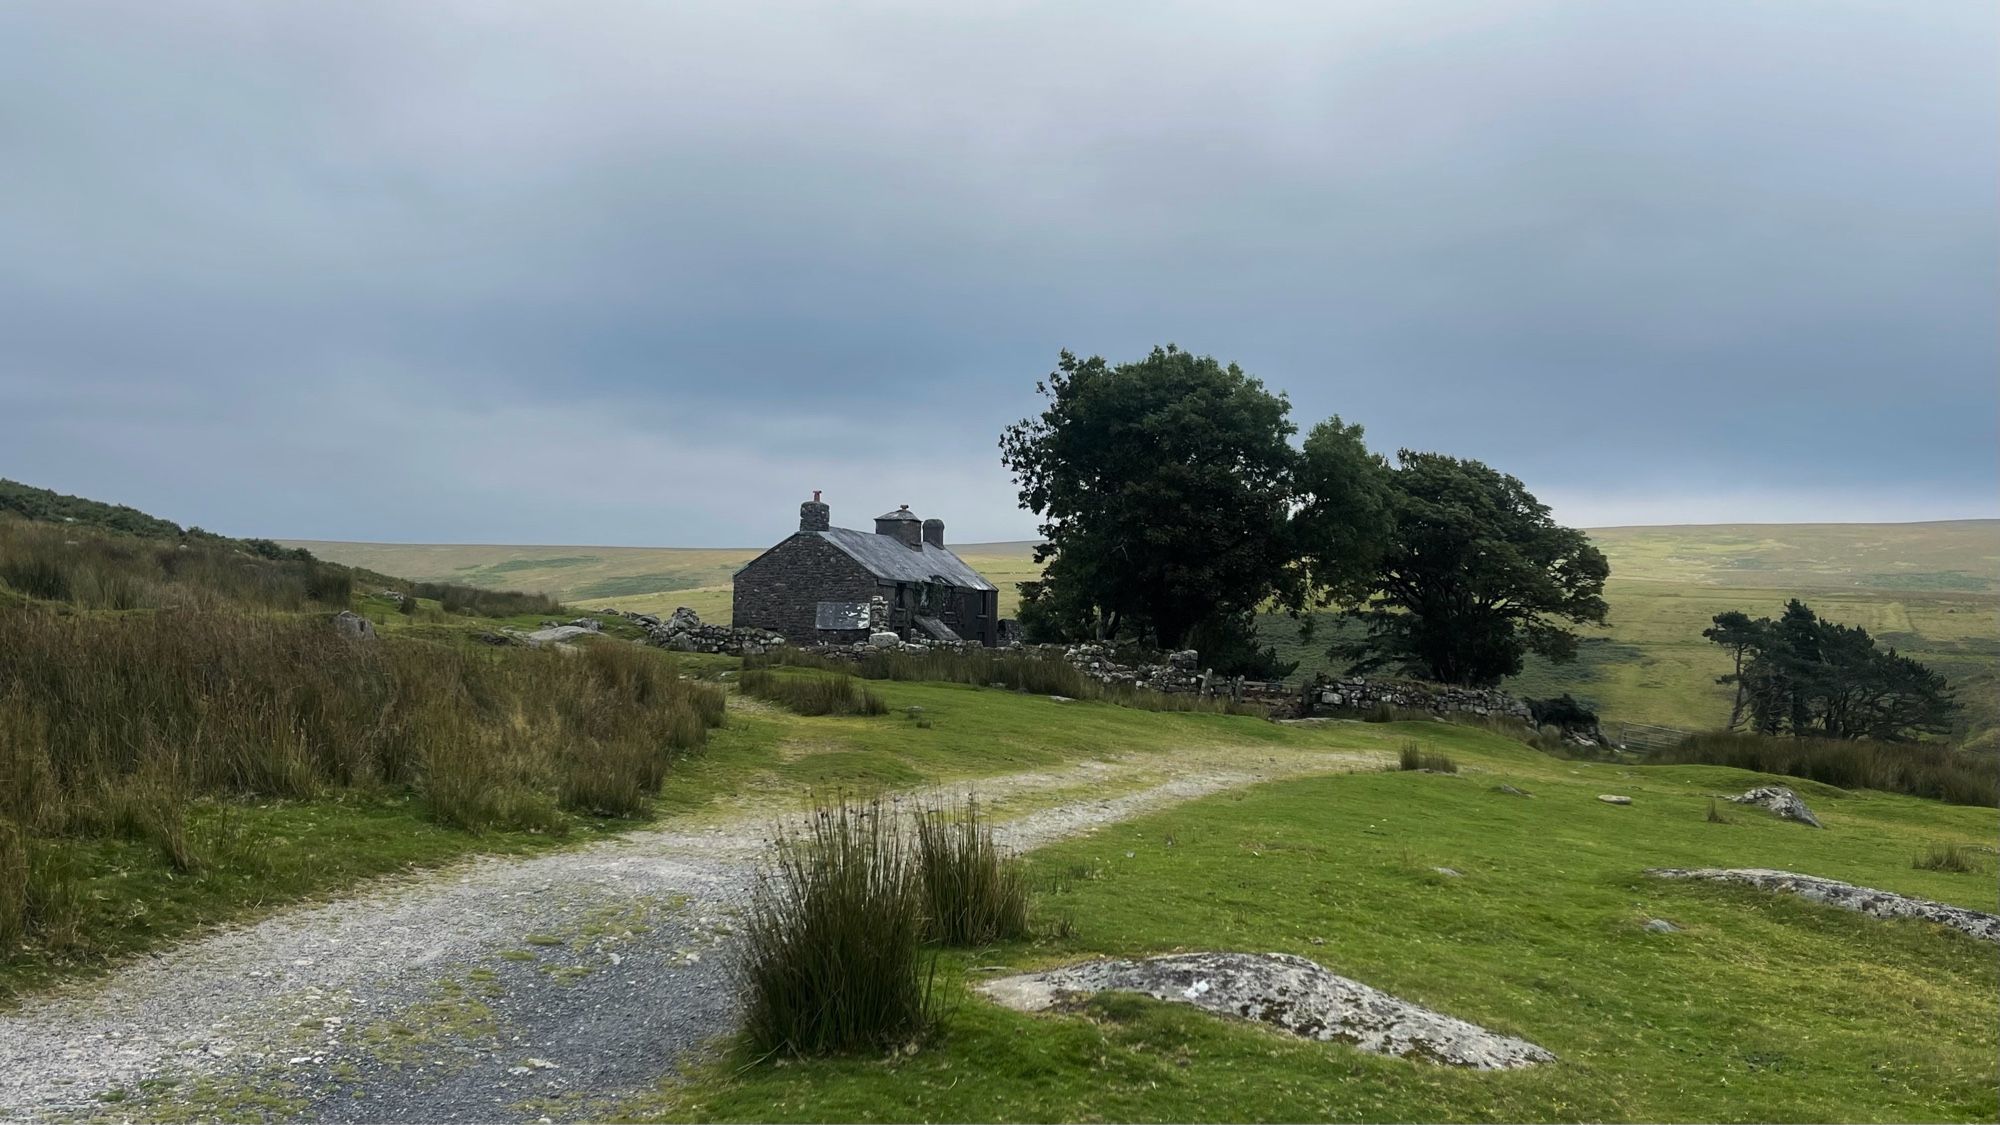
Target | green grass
(261,854)
(1763,1008)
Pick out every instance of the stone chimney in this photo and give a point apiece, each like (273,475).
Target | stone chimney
(902,525)
(934,533)
(814,515)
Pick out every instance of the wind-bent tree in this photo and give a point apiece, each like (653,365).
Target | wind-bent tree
(1738,634)
(1476,575)
(1165,489)
(1805,676)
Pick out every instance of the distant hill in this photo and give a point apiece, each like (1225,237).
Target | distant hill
(1931,589)
(642,579)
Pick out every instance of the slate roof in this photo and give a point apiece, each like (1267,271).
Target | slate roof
(886,557)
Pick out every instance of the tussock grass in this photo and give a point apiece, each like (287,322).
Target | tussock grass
(813,693)
(1954,858)
(95,569)
(13,884)
(833,958)
(1414,756)
(1920,770)
(99,570)
(116,726)
(974,894)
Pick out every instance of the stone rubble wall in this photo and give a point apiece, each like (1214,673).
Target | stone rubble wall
(684,631)
(1358,693)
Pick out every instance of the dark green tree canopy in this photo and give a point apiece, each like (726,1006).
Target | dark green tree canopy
(1163,488)
(1476,575)
(1806,676)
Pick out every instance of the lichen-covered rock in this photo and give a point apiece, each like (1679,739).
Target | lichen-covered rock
(1780,800)
(557,634)
(1284,991)
(353,626)
(1847,896)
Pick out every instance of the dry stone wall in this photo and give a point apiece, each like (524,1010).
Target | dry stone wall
(1358,693)
(684,631)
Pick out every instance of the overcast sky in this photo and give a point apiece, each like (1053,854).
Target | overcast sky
(648,273)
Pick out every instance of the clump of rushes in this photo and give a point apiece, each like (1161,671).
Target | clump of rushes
(833,958)
(13,884)
(1715,813)
(812,693)
(974,894)
(1953,858)
(1414,757)
(1921,769)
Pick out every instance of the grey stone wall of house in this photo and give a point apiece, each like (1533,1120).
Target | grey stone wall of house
(781,589)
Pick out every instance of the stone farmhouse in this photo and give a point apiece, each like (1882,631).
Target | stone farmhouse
(835,585)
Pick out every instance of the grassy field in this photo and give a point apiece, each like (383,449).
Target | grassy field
(1761,1009)
(1930,589)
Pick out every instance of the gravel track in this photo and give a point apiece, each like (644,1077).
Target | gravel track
(498,989)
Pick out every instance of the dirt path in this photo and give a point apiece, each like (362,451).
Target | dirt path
(498,989)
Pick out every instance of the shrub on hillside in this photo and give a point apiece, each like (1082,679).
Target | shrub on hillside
(833,957)
(973,894)
(1921,770)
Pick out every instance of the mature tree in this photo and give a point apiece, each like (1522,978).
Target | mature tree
(1165,490)
(1341,519)
(1476,576)
(1806,676)
(1735,632)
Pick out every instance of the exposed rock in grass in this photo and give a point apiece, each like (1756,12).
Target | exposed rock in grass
(1284,991)
(1661,926)
(1780,800)
(1614,799)
(1511,791)
(352,625)
(555,634)
(1847,896)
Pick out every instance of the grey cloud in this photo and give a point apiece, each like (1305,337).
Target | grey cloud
(1625,251)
